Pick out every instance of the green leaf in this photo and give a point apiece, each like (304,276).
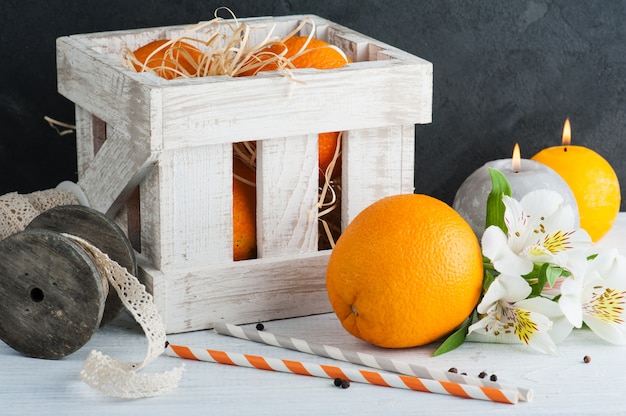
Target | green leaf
(542,278)
(488,279)
(489,274)
(495,207)
(553,273)
(456,338)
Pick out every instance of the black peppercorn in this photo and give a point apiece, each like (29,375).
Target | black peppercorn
(493,377)
(345,384)
(260,327)
(453,370)
(482,374)
(338,382)
(586,359)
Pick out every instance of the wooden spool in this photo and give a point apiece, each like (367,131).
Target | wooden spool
(52,297)
(100,231)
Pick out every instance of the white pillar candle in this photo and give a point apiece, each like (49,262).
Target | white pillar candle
(471,198)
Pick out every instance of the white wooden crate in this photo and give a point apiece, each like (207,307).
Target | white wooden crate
(162,150)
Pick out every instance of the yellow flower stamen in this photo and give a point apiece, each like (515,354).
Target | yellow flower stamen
(557,241)
(607,306)
(525,328)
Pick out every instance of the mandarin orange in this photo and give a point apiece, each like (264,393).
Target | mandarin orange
(244,211)
(405,272)
(169,61)
(327,146)
(317,54)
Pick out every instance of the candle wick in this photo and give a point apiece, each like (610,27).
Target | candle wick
(565,149)
(516,171)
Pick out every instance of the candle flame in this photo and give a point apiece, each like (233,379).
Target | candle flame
(567,133)
(516,162)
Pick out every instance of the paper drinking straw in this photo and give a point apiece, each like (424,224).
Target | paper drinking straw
(368,360)
(357,376)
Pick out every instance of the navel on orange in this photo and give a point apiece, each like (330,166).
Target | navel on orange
(405,272)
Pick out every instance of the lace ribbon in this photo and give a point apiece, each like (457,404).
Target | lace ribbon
(120,379)
(17,210)
(112,377)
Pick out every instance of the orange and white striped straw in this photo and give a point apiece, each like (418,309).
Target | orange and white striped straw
(364,359)
(354,375)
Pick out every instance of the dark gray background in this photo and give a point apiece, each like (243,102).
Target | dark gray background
(504,72)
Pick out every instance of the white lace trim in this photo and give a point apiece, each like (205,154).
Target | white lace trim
(112,377)
(120,379)
(18,210)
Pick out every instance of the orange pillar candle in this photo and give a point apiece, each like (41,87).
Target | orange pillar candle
(591,179)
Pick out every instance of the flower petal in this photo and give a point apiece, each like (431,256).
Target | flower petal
(533,328)
(561,327)
(537,338)
(496,248)
(542,203)
(517,288)
(507,323)
(478,332)
(611,332)
(570,301)
(505,287)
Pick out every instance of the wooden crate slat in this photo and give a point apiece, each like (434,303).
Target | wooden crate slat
(256,107)
(240,292)
(407,182)
(287,172)
(353,45)
(373,166)
(118,167)
(84,139)
(120,97)
(190,216)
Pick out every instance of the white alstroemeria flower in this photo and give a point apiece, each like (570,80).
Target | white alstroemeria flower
(596,296)
(508,317)
(540,230)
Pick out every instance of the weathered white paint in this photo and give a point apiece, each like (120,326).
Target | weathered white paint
(174,139)
(242,292)
(287,196)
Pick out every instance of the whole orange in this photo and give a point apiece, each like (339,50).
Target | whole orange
(170,61)
(593,183)
(405,272)
(244,211)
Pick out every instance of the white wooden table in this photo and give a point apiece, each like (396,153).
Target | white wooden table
(562,384)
